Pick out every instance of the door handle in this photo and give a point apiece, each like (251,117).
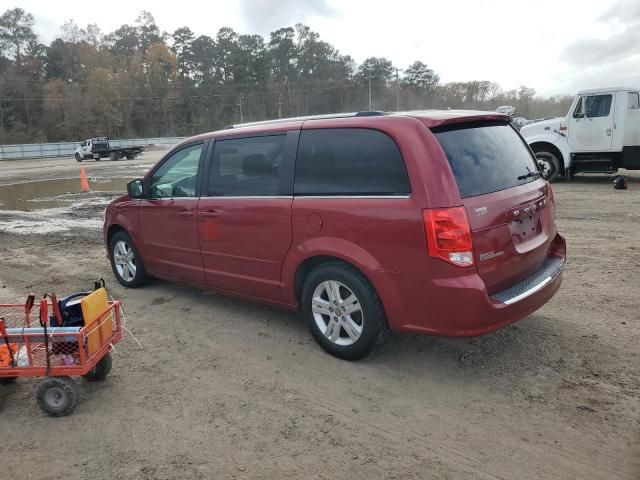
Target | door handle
(185,214)
(208,213)
(608,131)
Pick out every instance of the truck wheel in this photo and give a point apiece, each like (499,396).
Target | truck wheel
(78,157)
(549,165)
(113,156)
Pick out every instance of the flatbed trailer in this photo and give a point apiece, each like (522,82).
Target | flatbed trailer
(98,148)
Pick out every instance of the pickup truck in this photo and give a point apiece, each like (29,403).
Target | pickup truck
(98,148)
(601,133)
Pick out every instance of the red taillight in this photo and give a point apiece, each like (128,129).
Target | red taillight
(449,235)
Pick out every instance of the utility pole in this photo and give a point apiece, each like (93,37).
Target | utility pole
(370,102)
(279,104)
(397,90)
(239,104)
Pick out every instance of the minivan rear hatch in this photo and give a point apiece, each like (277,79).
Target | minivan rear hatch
(509,206)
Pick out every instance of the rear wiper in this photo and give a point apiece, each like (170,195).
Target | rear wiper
(529,175)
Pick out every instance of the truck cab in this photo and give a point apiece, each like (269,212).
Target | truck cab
(601,133)
(95,148)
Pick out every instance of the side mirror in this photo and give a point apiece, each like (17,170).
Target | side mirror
(134,188)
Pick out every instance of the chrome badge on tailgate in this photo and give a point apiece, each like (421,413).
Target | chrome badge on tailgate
(490,255)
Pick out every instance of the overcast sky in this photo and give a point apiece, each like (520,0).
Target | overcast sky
(551,45)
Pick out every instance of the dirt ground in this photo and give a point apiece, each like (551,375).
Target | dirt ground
(228,389)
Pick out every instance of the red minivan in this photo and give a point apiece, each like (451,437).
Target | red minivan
(433,222)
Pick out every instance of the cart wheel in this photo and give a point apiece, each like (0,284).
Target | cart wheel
(57,396)
(7,380)
(101,370)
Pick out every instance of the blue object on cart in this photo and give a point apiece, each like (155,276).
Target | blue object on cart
(71,311)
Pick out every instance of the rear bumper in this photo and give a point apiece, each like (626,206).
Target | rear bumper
(459,306)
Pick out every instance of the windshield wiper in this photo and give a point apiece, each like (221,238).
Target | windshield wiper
(529,175)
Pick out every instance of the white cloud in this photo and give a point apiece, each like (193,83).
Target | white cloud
(265,16)
(554,47)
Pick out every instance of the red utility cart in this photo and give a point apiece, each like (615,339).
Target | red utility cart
(31,347)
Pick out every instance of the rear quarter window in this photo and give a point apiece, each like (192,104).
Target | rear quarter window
(486,158)
(349,161)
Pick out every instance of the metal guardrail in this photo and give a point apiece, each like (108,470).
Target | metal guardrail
(64,149)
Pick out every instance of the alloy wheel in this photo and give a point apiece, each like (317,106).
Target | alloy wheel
(125,260)
(337,312)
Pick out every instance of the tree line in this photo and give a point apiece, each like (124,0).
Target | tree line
(139,81)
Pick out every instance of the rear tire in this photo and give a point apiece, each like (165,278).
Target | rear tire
(126,262)
(57,396)
(343,311)
(101,369)
(549,165)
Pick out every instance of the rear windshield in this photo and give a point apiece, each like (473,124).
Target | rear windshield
(486,158)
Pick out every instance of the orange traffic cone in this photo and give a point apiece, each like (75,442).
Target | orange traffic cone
(84,183)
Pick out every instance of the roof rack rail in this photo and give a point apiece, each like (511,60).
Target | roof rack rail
(308,117)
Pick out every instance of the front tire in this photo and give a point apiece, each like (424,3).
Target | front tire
(343,311)
(57,396)
(126,263)
(78,157)
(549,165)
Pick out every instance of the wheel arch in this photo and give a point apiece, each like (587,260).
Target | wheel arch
(544,146)
(309,264)
(112,230)
(315,251)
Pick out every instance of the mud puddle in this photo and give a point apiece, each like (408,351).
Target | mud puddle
(57,206)
(46,194)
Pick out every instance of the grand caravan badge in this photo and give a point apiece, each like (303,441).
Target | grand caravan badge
(489,255)
(481,211)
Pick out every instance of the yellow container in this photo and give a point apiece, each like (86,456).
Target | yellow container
(97,323)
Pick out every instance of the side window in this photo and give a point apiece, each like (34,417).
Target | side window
(577,113)
(244,167)
(83,144)
(598,105)
(177,176)
(633,101)
(349,161)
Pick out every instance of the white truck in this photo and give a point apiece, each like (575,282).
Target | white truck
(601,133)
(99,147)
